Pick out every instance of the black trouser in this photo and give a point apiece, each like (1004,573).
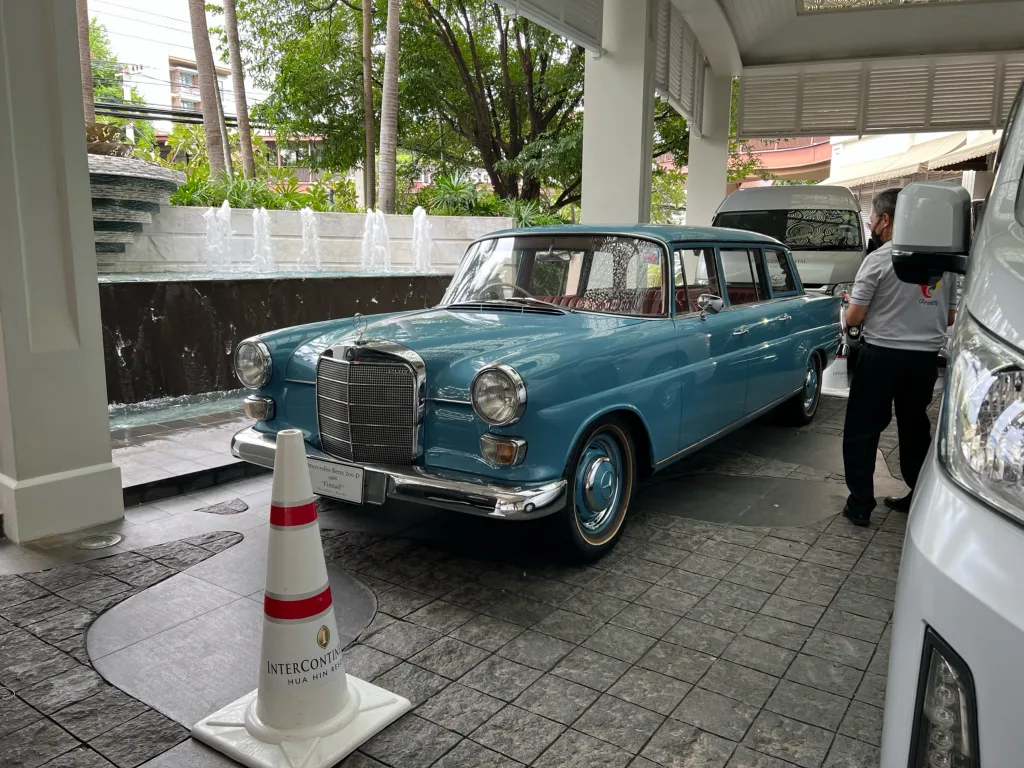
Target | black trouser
(886,376)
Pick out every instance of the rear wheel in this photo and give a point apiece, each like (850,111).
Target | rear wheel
(801,408)
(601,477)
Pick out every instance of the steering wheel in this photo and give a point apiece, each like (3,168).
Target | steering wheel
(514,288)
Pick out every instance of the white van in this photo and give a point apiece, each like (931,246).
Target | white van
(821,225)
(956,669)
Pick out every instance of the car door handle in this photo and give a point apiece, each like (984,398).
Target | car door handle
(740,331)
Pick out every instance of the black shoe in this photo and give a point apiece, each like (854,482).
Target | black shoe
(861,520)
(899,504)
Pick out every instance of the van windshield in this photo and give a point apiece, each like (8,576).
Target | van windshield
(801,230)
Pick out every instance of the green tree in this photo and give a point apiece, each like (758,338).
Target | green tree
(108,84)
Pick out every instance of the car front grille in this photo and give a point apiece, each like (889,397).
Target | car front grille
(366,411)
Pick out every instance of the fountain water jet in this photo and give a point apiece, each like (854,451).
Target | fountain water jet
(218,237)
(376,249)
(309,257)
(263,250)
(422,242)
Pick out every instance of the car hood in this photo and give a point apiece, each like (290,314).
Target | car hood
(455,344)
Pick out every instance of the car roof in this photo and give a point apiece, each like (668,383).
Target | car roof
(806,196)
(668,233)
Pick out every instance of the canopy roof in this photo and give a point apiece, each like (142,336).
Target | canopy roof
(915,160)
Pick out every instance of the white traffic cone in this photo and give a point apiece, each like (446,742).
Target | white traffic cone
(306,713)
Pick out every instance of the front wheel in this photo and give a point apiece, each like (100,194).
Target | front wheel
(802,407)
(601,477)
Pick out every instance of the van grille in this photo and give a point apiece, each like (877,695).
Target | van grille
(366,411)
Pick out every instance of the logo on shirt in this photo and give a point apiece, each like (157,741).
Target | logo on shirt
(928,291)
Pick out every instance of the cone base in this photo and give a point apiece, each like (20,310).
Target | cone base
(225,731)
(835,381)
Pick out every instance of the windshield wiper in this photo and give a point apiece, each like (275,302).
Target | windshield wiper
(534,300)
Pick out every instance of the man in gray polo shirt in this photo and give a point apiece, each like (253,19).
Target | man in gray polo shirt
(904,327)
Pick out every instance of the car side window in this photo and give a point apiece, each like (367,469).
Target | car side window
(780,273)
(742,283)
(696,273)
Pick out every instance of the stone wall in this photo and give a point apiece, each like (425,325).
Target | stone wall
(175,241)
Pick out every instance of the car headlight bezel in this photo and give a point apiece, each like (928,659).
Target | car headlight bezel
(491,383)
(981,436)
(261,353)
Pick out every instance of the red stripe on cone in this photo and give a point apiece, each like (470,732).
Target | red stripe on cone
(284,517)
(295,610)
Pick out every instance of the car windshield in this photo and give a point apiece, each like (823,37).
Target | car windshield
(595,273)
(802,230)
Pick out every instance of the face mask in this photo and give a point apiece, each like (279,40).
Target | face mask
(875,241)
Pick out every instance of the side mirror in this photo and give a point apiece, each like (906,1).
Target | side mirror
(931,232)
(709,304)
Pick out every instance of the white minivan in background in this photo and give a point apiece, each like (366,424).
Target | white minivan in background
(821,225)
(956,670)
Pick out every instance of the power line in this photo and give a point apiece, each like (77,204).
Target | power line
(135,10)
(147,23)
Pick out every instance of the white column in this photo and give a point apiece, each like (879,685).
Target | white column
(978,183)
(56,473)
(709,154)
(618,117)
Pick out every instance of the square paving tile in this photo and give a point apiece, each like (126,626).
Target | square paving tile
(756,578)
(796,611)
(720,615)
(597,606)
(487,632)
(838,648)
(98,713)
(26,660)
(643,570)
(680,745)
(519,610)
(646,620)
(715,713)
(818,573)
(744,757)
(536,650)
(768,561)
(737,682)
(557,699)
(777,631)
(366,663)
(872,689)
(651,690)
(824,675)
(78,683)
(851,625)
(410,741)
(414,683)
(619,643)
(34,744)
(40,609)
(15,714)
(592,669)
(617,585)
(400,602)
(578,750)
(402,639)
(618,722)
(863,722)
(500,677)
(468,754)
(707,566)
(669,600)
(677,661)
(518,734)
(850,753)
(795,742)
(459,708)
(808,591)
(787,547)
(441,616)
(759,655)
(80,757)
(808,705)
(738,596)
(662,555)
(859,604)
(687,581)
(139,740)
(449,657)
(572,627)
(700,637)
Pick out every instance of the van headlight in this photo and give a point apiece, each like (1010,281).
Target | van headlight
(498,393)
(253,365)
(982,440)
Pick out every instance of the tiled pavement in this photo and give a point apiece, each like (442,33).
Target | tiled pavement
(55,710)
(693,645)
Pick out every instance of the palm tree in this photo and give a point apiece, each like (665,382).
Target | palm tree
(389,113)
(370,159)
(207,86)
(85,60)
(238,85)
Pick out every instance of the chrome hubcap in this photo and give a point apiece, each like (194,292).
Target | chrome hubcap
(598,484)
(810,386)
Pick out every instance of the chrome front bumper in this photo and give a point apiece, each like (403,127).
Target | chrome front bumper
(457,492)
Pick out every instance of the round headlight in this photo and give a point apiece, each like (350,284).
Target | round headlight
(252,363)
(499,395)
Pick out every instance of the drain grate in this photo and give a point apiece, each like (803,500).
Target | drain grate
(100,541)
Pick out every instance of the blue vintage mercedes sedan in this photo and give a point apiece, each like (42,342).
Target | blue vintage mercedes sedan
(562,366)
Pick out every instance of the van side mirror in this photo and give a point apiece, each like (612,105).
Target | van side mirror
(709,304)
(931,232)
